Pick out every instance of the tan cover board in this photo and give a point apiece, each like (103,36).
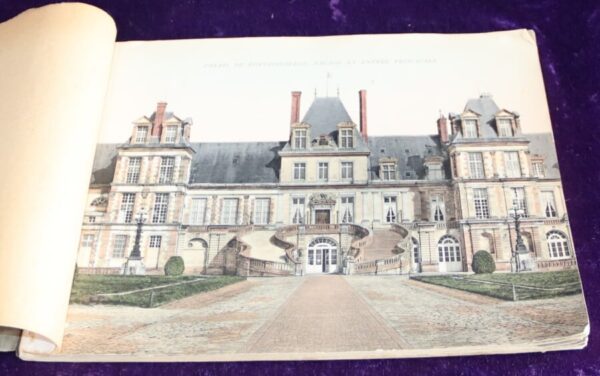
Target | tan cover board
(55,67)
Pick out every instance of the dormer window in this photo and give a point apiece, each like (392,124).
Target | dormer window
(504,128)
(300,139)
(346,138)
(171,134)
(537,166)
(470,128)
(388,171)
(141,134)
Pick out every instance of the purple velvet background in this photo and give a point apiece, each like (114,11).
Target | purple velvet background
(568,35)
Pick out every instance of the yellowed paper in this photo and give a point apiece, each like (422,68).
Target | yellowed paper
(55,66)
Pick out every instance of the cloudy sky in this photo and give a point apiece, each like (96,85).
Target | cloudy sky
(239,89)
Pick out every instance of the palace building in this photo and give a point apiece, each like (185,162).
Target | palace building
(330,198)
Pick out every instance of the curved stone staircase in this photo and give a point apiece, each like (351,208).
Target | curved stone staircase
(387,253)
(384,245)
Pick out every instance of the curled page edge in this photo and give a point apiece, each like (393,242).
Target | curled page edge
(9,338)
(68,53)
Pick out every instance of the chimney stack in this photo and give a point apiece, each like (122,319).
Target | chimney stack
(362,95)
(295,118)
(158,118)
(442,129)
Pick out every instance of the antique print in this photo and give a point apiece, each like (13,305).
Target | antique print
(367,196)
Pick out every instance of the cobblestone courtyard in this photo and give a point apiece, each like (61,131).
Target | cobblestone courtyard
(319,314)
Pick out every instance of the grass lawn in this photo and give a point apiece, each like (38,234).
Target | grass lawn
(86,287)
(559,283)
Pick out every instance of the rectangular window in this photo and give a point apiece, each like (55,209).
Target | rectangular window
(126,209)
(347,210)
(87,240)
(437,208)
(480,198)
(198,211)
(323,171)
(347,170)
(538,169)
(141,134)
(133,170)
(548,204)
(299,139)
(476,165)
(261,211)
(229,211)
(155,241)
(390,209)
(165,174)
(171,134)
(299,171)
(347,138)
(298,210)
(119,245)
(504,128)
(388,171)
(470,129)
(511,163)
(518,200)
(161,204)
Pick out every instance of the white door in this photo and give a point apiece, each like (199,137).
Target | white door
(449,255)
(322,257)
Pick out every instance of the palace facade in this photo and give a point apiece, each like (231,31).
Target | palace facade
(330,198)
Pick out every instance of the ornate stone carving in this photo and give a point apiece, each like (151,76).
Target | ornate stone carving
(321,199)
(100,201)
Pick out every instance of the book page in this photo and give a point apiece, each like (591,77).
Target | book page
(55,67)
(233,223)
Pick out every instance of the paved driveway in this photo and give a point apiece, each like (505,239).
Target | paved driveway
(318,314)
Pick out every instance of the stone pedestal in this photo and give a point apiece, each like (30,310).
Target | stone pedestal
(133,266)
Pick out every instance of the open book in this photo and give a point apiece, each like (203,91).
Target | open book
(229,225)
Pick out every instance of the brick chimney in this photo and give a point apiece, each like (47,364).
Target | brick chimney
(442,127)
(295,118)
(158,118)
(362,97)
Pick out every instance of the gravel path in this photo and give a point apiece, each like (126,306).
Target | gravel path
(318,314)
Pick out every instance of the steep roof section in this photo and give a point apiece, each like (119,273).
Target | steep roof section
(236,162)
(324,114)
(258,162)
(409,152)
(487,109)
(543,144)
(105,160)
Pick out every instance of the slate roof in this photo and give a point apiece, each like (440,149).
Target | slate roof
(487,108)
(258,162)
(105,160)
(409,152)
(324,114)
(543,144)
(236,162)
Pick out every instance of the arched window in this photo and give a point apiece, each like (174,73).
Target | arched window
(198,243)
(448,249)
(416,251)
(557,244)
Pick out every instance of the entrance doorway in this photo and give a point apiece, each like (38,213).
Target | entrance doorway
(322,216)
(449,255)
(322,256)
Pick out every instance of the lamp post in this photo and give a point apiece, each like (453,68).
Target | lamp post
(520,247)
(134,264)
